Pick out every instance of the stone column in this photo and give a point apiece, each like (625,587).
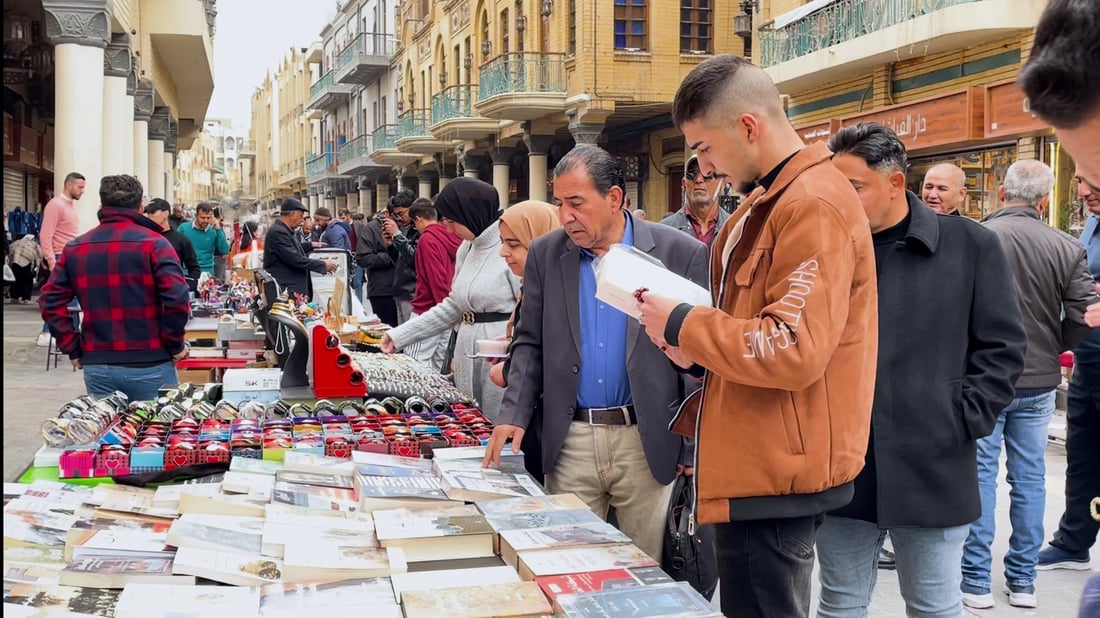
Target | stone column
(471,164)
(408,182)
(158,134)
(79,32)
(447,175)
(127,138)
(365,205)
(502,161)
(170,150)
(143,111)
(537,148)
(425,178)
(352,203)
(381,195)
(341,202)
(329,202)
(585,132)
(118,113)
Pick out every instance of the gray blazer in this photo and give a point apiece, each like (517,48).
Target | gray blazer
(680,221)
(546,348)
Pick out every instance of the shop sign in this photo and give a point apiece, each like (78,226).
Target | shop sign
(1007,113)
(932,122)
(820,132)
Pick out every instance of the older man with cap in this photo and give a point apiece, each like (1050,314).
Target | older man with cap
(284,257)
(699,215)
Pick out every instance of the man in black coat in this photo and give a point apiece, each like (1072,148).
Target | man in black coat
(158,211)
(951,346)
(284,257)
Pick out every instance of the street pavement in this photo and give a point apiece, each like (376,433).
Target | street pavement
(32,394)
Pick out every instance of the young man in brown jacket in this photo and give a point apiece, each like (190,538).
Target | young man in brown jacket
(788,353)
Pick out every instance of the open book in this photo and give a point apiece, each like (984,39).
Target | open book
(624,269)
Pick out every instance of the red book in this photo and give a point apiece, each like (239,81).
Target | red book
(594,581)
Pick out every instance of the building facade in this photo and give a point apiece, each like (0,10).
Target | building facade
(102,87)
(942,78)
(195,172)
(280,135)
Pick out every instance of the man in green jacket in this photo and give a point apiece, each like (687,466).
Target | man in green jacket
(208,239)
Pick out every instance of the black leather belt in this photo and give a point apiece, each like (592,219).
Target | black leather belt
(619,415)
(478,318)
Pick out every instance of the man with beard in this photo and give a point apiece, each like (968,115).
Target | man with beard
(700,216)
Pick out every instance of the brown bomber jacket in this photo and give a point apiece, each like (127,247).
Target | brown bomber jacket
(790,350)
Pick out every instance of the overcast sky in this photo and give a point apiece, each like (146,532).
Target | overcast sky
(252,37)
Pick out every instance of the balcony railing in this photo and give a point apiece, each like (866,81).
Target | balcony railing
(522,72)
(318,165)
(414,123)
(358,147)
(842,21)
(454,102)
(366,44)
(320,85)
(384,138)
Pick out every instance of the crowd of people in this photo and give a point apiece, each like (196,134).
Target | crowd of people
(867,357)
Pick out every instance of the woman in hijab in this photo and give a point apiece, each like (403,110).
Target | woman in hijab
(483,293)
(519,225)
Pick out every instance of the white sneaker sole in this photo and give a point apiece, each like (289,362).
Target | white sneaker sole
(1022,600)
(978,601)
(1066,566)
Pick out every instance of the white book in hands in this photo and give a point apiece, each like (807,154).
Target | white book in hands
(623,270)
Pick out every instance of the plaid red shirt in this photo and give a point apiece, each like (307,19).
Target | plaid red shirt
(130,285)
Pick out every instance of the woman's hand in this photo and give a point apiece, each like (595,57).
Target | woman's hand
(387,345)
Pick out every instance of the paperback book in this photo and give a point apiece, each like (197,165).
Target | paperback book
(312,562)
(228,568)
(94,601)
(159,601)
(371,596)
(677,600)
(118,571)
(488,601)
(595,581)
(227,533)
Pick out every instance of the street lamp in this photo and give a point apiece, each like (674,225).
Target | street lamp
(521,23)
(742,22)
(547,8)
(486,47)
(442,78)
(468,61)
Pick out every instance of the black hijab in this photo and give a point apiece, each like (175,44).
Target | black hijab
(471,202)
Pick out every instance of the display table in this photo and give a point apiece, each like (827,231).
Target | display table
(218,365)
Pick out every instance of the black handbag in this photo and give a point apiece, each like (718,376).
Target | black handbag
(687,557)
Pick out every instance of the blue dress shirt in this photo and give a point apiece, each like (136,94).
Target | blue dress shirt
(604,382)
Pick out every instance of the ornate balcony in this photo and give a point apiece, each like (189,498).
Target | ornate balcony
(453,116)
(323,167)
(850,37)
(383,144)
(325,93)
(355,157)
(521,86)
(248,151)
(414,134)
(364,59)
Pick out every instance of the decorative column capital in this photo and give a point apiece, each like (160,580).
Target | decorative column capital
(132,77)
(448,170)
(144,96)
(170,144)
(211,7)
(159,123)
(116,58)
(537,144)
(501,155)
(426,176)
(585,132)
(81,22)
(472,161)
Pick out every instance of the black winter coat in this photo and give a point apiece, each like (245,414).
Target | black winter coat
(951,346)
(286,260)
(372,255)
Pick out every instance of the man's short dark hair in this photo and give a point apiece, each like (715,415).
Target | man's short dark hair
(726,83)
(120,192)
(1062,76)
(420,210)
(604,169)
(358,216)
(878,146)
(72,176)
(345,212)
(402,199)
(156,205)
(204,207)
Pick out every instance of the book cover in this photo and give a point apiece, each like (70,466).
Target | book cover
(118,571)
(531,504)
(489,601)
(36,573)
(542,519)
(390,471)
(168,496)
(306,562)
(594,581)
(581,559)
(279,531)
(452,521)
(226,533)
(258,486)
(221,504)
(94,601)
(315,478)
(374,595)
(487,484)
(228,568)
(317,464)
(677,599)
(392,461)
(451,578)
(160,601)
(47,529)
(315,497)
(600,533)
(44,555)
(255,466)
(146,542)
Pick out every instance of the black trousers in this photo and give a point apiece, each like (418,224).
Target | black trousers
(1077,530)
(24,282)
(385,308)
(765,566)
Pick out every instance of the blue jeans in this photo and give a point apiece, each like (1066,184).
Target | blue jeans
(357,281)
(927,562)
(139,383)
(1024,427)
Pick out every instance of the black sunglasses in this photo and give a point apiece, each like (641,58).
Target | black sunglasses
(691,175)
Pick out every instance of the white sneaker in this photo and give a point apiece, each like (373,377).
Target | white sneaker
(1021,596)
(975,600)
(44,340)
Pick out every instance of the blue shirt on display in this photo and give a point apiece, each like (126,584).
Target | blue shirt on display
(604,382)
(1089,350)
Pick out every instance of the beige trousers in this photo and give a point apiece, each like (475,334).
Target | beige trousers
(604,465)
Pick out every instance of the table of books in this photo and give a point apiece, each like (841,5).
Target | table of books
(376,505)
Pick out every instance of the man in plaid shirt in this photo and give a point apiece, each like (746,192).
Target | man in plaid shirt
(128,280)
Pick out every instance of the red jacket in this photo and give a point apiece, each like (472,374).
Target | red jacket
(435,267)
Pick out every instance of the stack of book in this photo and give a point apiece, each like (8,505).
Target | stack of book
(381,534)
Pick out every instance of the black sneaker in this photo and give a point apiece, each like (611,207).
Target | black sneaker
(886,560)
(1052,557)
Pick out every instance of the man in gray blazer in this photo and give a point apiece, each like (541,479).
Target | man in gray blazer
(700,214)
(608,393)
